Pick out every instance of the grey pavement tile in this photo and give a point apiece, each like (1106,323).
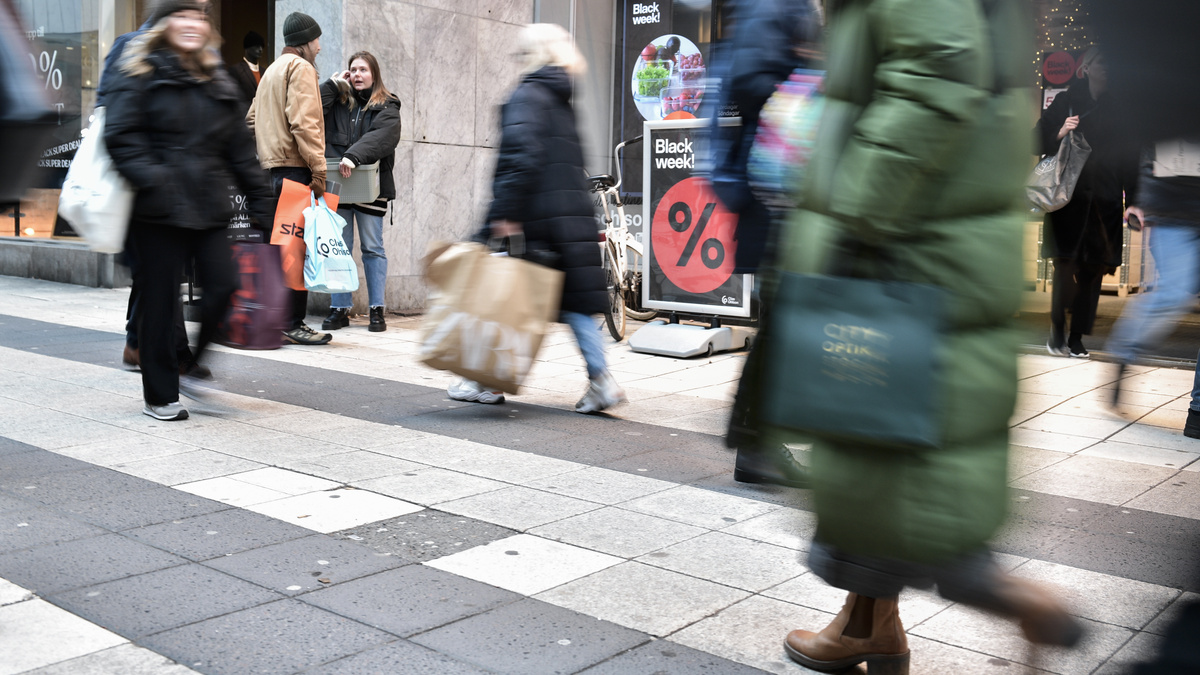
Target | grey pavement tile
(272,639)
(161,600)
(62,566)
(670,465)
(1102,597)
(10,447)
(303,565)
(410,599)
(530,637)
(187,467)
(1162,623)
(733,561)
(217,534)
(11,503)
(1177,497)
(425,535)
(1142,648)
(123,511)
(618,532)
(86,483)
(23,466)
(357,465)
(752,632)
(126,659)
(36,634)
(39,526)
(661,657)
(587,449)
(400,656)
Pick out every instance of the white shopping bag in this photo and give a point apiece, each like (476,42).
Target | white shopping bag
(97,200)
(328,265)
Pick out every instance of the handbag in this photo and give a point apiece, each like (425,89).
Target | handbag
(328,264)
(96,199)
(260,309)
(786,135)
(488,313)
(855,359)
(1052,182)
(27,121)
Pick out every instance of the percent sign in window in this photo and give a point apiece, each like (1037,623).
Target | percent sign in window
(46,65)
(693,237)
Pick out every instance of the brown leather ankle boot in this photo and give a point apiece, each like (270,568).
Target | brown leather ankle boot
(867,629)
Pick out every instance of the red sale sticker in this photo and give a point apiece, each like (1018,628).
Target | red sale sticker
(693,237)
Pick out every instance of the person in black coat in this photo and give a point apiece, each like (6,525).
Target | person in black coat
(362,126)
(246,72)
(539,189)
(1084,237)
(174,131)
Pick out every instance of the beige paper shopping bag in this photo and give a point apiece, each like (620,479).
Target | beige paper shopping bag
(487,314)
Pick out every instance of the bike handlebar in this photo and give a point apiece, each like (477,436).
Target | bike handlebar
(617,159)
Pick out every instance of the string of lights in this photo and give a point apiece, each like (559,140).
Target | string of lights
(1063,25)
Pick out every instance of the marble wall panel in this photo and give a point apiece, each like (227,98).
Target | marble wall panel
(386,28)
(498,73)
(508,11)
(445,76)
(328,16)
(444,196)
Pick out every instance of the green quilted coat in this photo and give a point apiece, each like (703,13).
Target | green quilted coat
(923,151)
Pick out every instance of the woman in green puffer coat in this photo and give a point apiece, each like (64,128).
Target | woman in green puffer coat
(922,154)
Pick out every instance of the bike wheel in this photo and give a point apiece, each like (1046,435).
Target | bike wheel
(633,292)
(614,314)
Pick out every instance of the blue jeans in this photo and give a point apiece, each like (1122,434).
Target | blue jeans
(587,334)
(1175,245)
(374,259)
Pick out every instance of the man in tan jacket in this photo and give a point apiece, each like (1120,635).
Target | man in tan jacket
(289,129)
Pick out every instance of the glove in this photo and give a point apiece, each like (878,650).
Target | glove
(318,185)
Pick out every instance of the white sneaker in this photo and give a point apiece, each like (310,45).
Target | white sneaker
(466,390)
(167,413)
(602,393)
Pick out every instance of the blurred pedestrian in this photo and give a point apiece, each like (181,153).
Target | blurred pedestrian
(771,38)
(173,131)
(245,72)
(289,129)
(539,191)
(362,126)
(130,354)
(917,177)
(1084,237)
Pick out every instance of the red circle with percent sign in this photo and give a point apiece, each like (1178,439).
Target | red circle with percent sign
(692,234)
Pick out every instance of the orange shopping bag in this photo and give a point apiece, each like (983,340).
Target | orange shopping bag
(288,232)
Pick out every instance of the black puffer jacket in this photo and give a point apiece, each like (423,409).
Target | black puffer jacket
(180,141)
(364,135)
(540,182)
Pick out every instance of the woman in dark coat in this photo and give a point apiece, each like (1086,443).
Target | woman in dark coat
(1084,237)
(539,189)
(174,131)
(362,126)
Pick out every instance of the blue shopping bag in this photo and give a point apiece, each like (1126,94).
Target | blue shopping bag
(328,265)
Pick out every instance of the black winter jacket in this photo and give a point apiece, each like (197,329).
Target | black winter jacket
(364,135)
(181,143)
(540,182)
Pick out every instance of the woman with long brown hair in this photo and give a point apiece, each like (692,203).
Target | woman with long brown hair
(362,126)
(174,130)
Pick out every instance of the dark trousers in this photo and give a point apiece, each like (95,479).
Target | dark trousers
(1077,291)
(164,253)
(299,298)
(132,316)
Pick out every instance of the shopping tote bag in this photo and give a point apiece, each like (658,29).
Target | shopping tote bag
(288,231)
(487,314)
(855,359)
(260,309)
(96,199)
(328,264)
(1052,182)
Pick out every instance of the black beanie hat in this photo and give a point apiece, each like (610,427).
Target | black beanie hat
(253,39)
(300,29)
(164,8)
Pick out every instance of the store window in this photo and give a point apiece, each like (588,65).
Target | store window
(66,41)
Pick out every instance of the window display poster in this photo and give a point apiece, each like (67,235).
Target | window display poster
(661,69)
(55,44)
(689,262)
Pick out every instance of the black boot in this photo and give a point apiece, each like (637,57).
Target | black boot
(378,325)
(338,318)
(777,467)
(1191,428)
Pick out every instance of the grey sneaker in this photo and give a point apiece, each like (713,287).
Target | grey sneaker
(303,335)
(602,393)
(467,390)
(168,413)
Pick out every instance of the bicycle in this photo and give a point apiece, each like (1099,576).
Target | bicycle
(621,253)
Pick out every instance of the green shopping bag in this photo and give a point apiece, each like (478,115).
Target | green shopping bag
(855,359)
